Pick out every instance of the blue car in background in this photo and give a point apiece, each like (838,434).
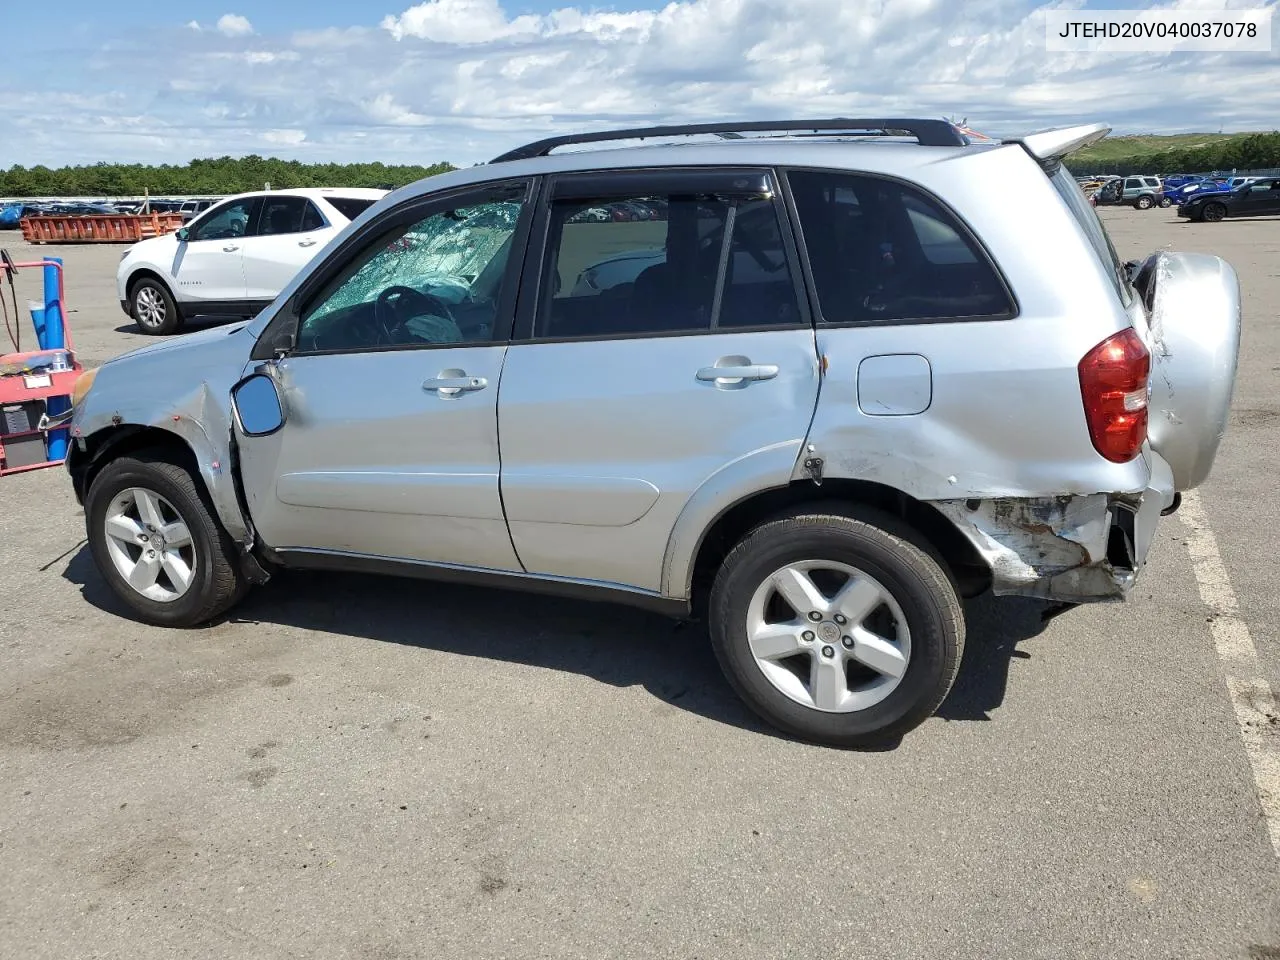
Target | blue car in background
(11,216)
(1182,194)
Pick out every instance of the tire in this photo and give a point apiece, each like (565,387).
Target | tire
(215,582)
(787,690)
(1165,202)
(1143,202)
(153,308)
(1213,212)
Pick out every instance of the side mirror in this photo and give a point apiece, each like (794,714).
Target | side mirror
(182,235)
(257,405)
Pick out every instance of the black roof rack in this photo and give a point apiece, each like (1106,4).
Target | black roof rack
(930,133)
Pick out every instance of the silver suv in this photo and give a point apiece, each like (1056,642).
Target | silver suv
(812,386)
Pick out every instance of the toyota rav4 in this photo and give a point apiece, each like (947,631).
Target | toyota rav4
(819,394)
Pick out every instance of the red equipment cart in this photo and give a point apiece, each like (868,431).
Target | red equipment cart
(28,380)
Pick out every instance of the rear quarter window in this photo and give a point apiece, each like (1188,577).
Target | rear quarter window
(350,207)
(1087,217)
(882,251)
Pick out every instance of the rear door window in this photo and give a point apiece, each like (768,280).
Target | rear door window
(282,215)
(664,261)
(881,251)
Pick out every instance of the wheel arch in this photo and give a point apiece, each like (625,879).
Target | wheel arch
(190,450)
(967,567)
(143,272)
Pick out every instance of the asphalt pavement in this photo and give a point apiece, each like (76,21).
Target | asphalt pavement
(351,767)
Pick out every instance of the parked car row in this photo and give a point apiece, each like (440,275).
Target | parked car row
(11,214)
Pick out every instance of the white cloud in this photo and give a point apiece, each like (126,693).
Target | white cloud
(234,25)
(285,138)
(457,21)
(462,80)
(194,25)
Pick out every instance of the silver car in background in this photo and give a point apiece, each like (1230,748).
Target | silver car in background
(822,393)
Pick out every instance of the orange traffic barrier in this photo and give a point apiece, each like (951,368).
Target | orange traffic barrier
(99,228)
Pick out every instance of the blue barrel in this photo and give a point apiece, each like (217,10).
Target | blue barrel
(37,320)
(53,339)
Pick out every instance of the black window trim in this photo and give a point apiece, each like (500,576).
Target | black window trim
(966,230)
(281,332)
(534,270)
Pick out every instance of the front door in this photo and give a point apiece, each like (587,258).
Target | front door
(290,231)
(1258,200)
(390,447)
(663,342)
(209,265)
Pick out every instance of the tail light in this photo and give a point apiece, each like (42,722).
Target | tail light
(1114,384)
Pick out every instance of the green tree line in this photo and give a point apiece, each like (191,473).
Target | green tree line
(1253,152)
(209,176)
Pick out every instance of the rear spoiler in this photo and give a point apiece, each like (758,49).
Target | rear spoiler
(1048,147)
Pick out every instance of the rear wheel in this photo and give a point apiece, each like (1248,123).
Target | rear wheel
(1213,212)
(1165,202)
(837,630)
(1143,203)
(157,543)
(152,308)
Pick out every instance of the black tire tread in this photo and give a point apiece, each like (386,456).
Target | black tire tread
(920,559)
(225,586)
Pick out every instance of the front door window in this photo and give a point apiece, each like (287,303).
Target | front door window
(434,280)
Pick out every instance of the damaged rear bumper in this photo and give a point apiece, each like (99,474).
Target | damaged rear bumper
(1073,549)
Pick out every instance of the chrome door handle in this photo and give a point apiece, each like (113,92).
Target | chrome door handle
(230,249)
(306,243)
(745,372)
(446,387)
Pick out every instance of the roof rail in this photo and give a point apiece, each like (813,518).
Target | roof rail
(930,133)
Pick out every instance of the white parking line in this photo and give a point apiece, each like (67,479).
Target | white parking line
(1251,697)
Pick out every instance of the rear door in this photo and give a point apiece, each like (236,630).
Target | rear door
(289,231)
(209,265)
(390,447)
(652,354)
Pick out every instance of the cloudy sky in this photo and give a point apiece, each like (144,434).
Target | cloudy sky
(462,80)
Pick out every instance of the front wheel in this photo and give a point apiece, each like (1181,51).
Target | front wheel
(153,309)
(158,545)
(1214,212)
(837,630)
(1165,202)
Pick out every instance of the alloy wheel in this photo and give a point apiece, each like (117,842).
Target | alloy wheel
(150,544)
(149,306)
(828,636)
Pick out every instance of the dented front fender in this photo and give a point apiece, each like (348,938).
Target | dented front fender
(182,386)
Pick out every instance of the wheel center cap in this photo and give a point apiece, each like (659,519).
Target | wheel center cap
(828,631)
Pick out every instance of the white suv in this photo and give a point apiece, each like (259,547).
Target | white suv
(235,257)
